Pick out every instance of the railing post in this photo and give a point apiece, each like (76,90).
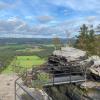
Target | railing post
(53,78)
(70,74)
(15,90)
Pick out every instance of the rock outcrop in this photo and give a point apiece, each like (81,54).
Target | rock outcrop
(95,68)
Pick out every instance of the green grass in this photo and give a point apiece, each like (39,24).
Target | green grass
(42,79)
(25,62)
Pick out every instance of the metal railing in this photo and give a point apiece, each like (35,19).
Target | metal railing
(56,79)
(19,87)
(51,80)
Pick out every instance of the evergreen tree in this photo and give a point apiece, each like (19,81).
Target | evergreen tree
(82,38)
(91,42)
(86,40)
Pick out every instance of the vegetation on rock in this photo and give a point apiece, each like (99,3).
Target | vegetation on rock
(88,40)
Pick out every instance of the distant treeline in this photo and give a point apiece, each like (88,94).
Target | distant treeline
(31,40)
(6,57)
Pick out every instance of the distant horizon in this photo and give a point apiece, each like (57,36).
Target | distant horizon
(33,37)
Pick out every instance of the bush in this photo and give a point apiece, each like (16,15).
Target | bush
(42,79)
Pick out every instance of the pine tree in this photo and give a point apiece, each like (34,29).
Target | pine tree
(86,40)
(91,42)
(82,38)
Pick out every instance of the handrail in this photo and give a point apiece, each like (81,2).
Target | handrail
(16,83)
(25,90)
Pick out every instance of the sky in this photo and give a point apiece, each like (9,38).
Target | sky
(46,18)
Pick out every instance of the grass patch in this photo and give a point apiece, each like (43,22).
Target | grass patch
(42,79)
(24,62)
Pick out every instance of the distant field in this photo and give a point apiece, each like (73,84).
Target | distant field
(26,56)
(24,62)
(30,50)
(14,46)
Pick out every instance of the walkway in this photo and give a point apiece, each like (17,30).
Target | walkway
(7,86)
(65,80)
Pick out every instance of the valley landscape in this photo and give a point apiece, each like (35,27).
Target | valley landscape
(16,58)
(23,54)
(49,49)
(20,55)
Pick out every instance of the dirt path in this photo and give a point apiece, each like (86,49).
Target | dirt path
(7,86)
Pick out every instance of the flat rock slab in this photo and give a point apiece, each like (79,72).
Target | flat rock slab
(90,84)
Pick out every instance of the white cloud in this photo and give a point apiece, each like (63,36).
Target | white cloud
(14,26)
(44,18)
(4,5)
(91,18)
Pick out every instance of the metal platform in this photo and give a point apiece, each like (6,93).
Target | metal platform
(65,80)
(54,80)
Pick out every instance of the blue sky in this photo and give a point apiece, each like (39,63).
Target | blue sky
(46,18)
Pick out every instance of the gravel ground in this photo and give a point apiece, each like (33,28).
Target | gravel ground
(7,86)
